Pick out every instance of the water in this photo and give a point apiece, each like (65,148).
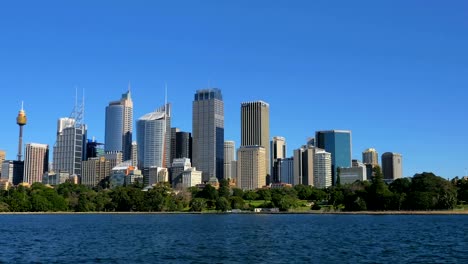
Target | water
(224,238)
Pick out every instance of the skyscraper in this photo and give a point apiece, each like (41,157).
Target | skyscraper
(95,170)
(12,170)
(183,145)
(153,138)
(69,146)
(2,156)
(208,133)
(304,165)
(36,162)
(119,126)
(251,167)
(134,153)
(255,127)
(392,166)
(278,151)
(174,131)
(322,169)
(229,157)
(338,143)
(370,156)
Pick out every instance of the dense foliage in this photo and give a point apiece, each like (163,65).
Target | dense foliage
(424,191)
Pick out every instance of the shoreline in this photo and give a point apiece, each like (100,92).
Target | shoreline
(449,212)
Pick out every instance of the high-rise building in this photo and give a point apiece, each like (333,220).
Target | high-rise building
(338,143)
(322,169)
(356,173)
(95,170)
(2,159)
(183,145)
(134,153)
(69,146)
(370,156)
(251,168)
(94,149)
(154,175)
(208,133)
(229,157)
(153,139)
(178,166)
(12,170)
(278,151)
(174,131)
(392,167)
(36,162)
(255,127)
(119,126)
(304,166)
(285,167)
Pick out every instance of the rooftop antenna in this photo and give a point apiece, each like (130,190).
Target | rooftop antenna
(129,86)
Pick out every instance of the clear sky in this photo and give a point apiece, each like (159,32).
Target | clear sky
(395,72)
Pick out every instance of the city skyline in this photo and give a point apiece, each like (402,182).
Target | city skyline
(348,66)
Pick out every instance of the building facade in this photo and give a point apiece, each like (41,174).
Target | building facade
(12,170)
(208,133)
(69,146)
(304,165)
(229,157)
(36,162)
(183,145)
(338,143)
(255,127)
(370,156)
(119,126)
(392,167)
(278,151)
(285,170)
(95,170)
(322,169)
(356,173)
(251,168)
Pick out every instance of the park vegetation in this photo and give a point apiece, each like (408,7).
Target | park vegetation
(424,191)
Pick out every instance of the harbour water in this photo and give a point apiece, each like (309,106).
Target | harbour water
(232,238)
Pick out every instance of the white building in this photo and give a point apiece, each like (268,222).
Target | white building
(189,178)
(322,169)
(155,175)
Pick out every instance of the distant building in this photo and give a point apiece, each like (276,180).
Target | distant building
(119,126)
(52,178)
(125,174)
(208,133)
(178,166)
(229,157)
(153,138)
(255,128)
(183,145)
(4,185)
(95,170)
(370,156)
(114,158)
(322,169)
(154,175)
(69,146)
(234,170)
(251,167)
(392,167)
(304,166)
(188,178)
(12,170)
(2,159)
(356,173)
(94,149)
(285,167)
(36,162)
(134,153)
(338,144)
(278,151)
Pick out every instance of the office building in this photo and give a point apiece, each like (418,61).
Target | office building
(94,149)
(370,156)
(183,145)
(304,165)
(356,173)
(251,168)
(338,143)
(95,170)
(52,178)
(255,127)
(12,170)
(134,153)
(188,178)
(177,167)
(69,146)
(154,175)
(392,167)
(208,133)
(36,162)
(153,139)
(125,174)
(278,151)
(119,126)
(285,167)
(229,157)
(2,159)
(322,169)
(174,131)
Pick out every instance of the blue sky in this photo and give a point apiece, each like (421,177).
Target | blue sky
(393,72)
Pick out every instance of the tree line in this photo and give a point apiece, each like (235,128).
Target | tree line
(424,191)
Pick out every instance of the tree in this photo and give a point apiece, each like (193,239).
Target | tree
(264,194)
(197,205)
(208,193)
(237,192)
(237,202)
(224,190)
(250,195)
(222,204)
(431,192)
(303,192)
(378,195)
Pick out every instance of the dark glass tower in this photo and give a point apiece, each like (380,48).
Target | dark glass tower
(208,133)
(338,143)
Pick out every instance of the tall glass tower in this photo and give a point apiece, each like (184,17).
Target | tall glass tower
(208,133)
(338,143)
(119,126)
